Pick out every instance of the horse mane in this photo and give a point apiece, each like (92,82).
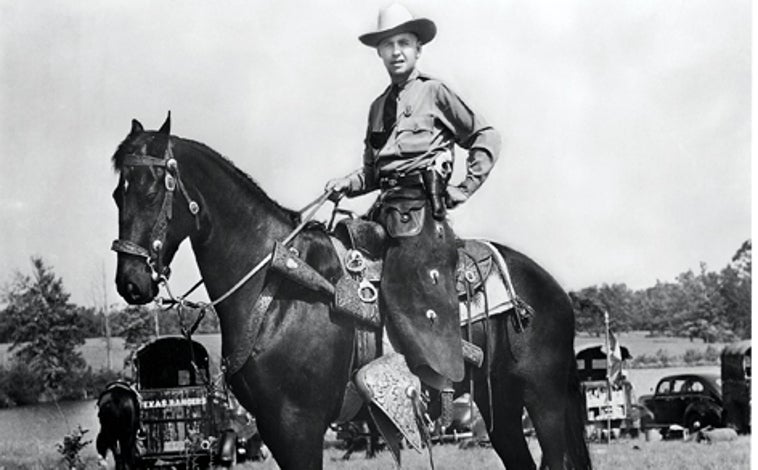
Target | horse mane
(246,180)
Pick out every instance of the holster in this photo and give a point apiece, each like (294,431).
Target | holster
(436,190)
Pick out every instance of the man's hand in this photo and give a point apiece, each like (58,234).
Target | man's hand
(455,196)
(338,187)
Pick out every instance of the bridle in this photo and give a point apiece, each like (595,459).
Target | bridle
(172,180)
(160,273)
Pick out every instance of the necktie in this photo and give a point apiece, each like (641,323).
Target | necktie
(390,110)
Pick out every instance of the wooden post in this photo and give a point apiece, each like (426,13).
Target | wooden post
(609,397)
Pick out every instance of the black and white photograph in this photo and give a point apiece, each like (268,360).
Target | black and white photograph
(413,234)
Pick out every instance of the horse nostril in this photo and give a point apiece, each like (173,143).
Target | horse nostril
(132,291)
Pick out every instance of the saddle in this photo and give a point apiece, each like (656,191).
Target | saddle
(361,245)
(386,384)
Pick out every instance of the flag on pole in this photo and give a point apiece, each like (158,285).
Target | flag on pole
(614,358)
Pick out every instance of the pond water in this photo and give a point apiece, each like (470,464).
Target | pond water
(34,430)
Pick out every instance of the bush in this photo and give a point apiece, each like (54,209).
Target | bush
(712,354)
(86,383)
(20,385)
(71,446)
(693,357)
(645,361)
(663,357)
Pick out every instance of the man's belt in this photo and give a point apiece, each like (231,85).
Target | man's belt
(401,180)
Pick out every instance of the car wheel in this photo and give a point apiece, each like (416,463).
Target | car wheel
(694,422)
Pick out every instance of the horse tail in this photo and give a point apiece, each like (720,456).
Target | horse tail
(576,438)
(118,413)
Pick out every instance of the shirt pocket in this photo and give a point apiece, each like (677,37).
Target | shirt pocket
(414,134)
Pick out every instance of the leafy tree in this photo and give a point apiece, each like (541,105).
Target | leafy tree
(90,322)
(736,290)
(588,311)
(5,328)
(135,324)
(591,303)
(707,305)
(45,328)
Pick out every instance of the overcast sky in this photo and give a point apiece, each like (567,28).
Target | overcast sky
(626,123)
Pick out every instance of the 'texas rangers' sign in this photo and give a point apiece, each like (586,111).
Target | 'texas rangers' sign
(174,402)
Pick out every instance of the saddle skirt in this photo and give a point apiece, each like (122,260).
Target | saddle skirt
(482,278)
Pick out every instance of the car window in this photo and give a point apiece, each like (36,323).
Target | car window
(664,387)
(678,386)
(693,386)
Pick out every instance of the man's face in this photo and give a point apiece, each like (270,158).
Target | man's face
(399,54)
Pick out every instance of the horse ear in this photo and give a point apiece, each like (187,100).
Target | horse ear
(166,127)
(136,127)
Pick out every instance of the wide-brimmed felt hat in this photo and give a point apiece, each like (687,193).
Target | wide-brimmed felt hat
(396,19)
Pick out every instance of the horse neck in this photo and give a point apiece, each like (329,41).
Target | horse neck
(239,226)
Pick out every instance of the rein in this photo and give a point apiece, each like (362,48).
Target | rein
(314,205)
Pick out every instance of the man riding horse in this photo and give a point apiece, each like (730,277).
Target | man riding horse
(409,152)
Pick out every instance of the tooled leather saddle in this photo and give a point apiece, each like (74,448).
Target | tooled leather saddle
(361,245)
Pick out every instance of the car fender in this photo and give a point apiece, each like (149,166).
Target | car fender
(703,408)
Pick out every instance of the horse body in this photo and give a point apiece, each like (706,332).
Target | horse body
(118,412)
(533,368)
(294,379)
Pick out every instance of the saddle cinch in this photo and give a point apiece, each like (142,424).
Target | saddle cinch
(484,289)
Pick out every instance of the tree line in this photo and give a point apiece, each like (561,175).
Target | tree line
(45,329)
(714,306)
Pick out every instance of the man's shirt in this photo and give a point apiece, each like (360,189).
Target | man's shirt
(430,120)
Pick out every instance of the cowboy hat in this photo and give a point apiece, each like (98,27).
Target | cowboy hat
(396,19)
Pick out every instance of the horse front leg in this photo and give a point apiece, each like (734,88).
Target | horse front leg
(295,436)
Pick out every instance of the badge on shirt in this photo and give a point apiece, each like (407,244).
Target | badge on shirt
(408,111)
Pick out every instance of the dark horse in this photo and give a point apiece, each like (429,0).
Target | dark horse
(296,354)
(118,412)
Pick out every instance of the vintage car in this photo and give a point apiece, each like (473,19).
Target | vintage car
(186,419)
(619,406)
(690,400)
(736,371)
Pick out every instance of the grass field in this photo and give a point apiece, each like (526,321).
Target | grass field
(619,455)
(28,435)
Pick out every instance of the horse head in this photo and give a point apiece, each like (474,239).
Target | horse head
(152,221)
